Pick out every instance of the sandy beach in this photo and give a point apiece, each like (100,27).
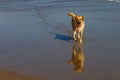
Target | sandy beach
(11,75)
(36,40)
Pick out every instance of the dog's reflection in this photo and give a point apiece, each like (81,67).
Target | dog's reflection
(77,57)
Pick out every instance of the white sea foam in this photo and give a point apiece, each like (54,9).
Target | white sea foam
(114,0)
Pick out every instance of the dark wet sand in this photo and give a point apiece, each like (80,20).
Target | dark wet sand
(35,39)
(11,75)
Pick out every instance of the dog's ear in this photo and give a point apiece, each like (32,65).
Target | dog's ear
(82,18)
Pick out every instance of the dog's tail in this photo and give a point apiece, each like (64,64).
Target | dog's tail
(71,14)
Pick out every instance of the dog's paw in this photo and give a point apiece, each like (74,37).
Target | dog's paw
(78,36)
(75,39)
(80,41)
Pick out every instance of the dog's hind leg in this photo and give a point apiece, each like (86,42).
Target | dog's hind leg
(81,35)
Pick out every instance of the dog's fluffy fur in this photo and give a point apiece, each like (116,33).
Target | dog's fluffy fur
(77,25)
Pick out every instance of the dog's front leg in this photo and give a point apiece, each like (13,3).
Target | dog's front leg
(74,35)
(79,35)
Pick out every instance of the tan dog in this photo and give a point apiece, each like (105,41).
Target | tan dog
(77,25)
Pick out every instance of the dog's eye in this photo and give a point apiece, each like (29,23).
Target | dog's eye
(76,20)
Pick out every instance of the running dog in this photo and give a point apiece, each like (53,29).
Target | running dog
(78,24)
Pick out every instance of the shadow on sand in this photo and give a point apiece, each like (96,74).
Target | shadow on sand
(62,37)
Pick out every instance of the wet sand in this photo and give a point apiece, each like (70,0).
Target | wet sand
(11,75)
(35,39)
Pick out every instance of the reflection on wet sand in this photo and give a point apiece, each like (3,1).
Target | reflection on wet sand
(77,57)
(11,75)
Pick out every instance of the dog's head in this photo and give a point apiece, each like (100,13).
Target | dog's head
(78,19)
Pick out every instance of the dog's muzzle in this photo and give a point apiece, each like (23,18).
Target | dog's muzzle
(78,23)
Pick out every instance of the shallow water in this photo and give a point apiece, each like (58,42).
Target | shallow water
(36,39)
